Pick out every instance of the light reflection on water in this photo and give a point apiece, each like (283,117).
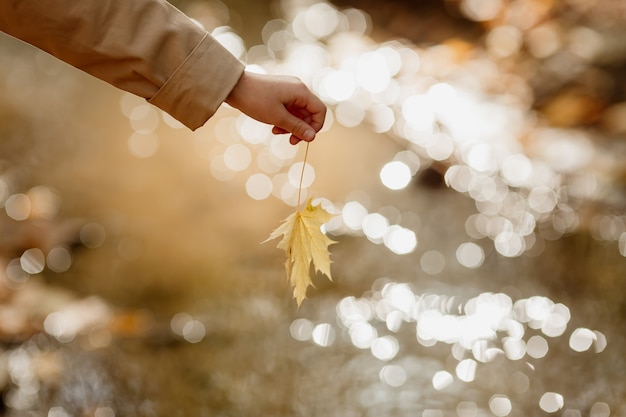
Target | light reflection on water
(487,335)
(396,350)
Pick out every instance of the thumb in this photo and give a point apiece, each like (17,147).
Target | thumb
(299,128)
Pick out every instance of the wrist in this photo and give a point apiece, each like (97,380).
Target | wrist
(233,97)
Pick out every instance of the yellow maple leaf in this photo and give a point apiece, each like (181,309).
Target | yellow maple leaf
(305,243)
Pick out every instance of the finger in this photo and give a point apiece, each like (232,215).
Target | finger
(299,128)
(317,114)
(294,140)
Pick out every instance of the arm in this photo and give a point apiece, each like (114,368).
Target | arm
(151,49)
(146,47)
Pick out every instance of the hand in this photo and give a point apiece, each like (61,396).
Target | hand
(282,101)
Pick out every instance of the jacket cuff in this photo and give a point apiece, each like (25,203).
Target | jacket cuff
(197,88)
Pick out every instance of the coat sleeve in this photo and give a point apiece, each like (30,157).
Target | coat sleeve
(146,47)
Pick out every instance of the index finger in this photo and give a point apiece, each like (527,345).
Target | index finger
(317,112)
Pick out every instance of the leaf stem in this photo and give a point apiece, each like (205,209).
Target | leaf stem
(306,153)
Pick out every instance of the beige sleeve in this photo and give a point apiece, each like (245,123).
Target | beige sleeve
(146,47)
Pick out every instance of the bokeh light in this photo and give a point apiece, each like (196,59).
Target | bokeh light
(581,339)
(600,409)
(500,405)
(432,262)
(466,370)
(143,145)
(519,113)
(92,235)
(59,259)
(470,255)
(323,334)
(237,157)
(18,206)
(442,379)
(385,348)
(301,329)
(375,227)
(400,240)
(259,186)
(481,10)
(301,175)
(144,119)
(551,402)
(489,327)
(193,331)
(33,261)
(395,175)
(393,375)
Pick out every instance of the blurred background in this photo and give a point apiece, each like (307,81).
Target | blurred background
(473,156)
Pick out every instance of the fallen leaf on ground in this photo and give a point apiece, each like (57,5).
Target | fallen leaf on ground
(305,243)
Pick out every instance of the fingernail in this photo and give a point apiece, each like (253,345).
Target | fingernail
(308,135)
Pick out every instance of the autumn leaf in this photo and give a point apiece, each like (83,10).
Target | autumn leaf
(305,243)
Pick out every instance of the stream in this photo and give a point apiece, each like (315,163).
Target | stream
(471,277)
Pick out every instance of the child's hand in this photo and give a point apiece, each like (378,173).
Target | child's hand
(282,101)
